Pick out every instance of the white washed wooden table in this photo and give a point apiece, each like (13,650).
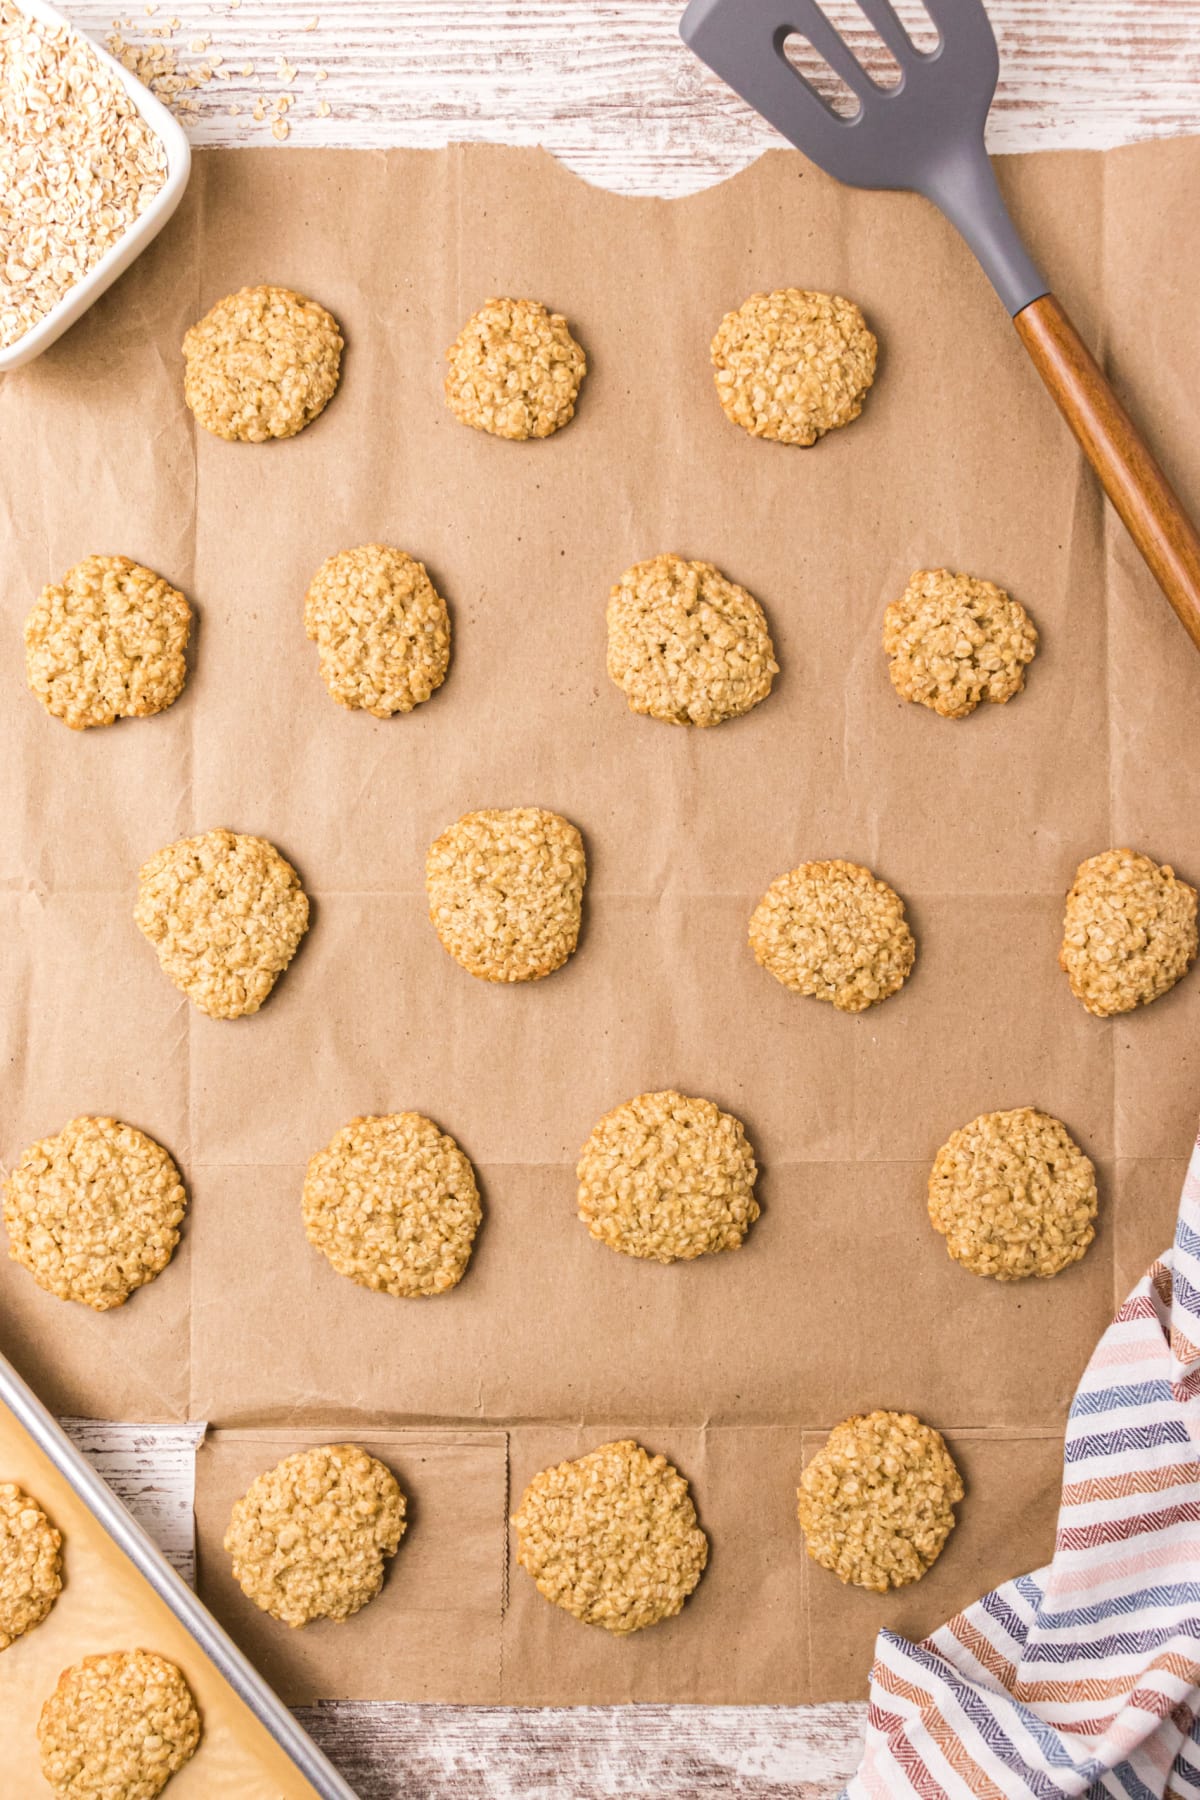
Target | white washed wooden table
(607,86)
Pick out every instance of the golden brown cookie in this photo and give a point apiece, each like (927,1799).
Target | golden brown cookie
(262,364)
(309,1538)
(506,892)
(515,370)
(107,642)
(94,1212)
(833,930)
(1129,933)
(953,641)
(117,1727)
(612,1537)
(381,629)
(392,1202)
(225,914)
(792,365)
(1013,1195)
(30,1563)
(687,645)
(876,1503)
(668,1177)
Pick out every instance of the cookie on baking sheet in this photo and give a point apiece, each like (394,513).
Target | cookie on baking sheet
(261,364)
(392,1202)
(94,1212)
(1013,1195)
(381,629)
(107,642)
(668,1177)
(953,641)
(506,892)
(225,914)
(876,1503)
(515,370)
(686,644)
(1129,933)
(792,365)
(834,931)
(612,1537)
(309,1538)
(117,1727)
(30,1563)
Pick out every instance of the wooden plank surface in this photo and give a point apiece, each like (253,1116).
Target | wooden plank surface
(606,86)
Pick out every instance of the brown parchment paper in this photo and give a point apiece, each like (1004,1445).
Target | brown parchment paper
(843,1299)
(105,1605)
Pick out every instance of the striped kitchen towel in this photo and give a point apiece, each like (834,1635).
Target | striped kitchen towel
(1084,1678)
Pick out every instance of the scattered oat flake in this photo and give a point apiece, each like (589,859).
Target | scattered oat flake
(247,69)
(323,109)
(197,45)
(234,110)
(280,129)
(322,75)
(258,109)
(313,22)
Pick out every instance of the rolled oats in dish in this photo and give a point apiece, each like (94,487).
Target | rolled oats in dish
(107,642)
(1013,1195)
(381,629)
(225,914)
(310,1537)
(612,1537)
(953,641)
(515,370)
(262,363)
(78,166)
(506,892)
(94,1212)
(668,1177)
(117,1727)
(392,1202)
(1129,933)
(792,365)
(30,1563)
(876,1503)
(686,644)
(836,932)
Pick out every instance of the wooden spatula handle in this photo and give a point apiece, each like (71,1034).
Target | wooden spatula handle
(1133,481)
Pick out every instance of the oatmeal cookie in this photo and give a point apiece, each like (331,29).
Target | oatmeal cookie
(107,642)
(668,1177)
(309,1538)
(612,1537)
(687,645)
(94,1212)
(792,365)
(30,1563)
(515,370)
(1129,933)
(876,1503)
(833,930)
(1013,1195)
(381,629)
(262,364)
(392,1202)
(954,641)
(117,1727)
(506,892)
(225,914)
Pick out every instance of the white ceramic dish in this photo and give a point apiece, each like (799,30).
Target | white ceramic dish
(116,260)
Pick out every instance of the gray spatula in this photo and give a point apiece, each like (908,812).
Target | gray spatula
(925,133)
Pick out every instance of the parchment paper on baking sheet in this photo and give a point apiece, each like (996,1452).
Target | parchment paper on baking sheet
(842,1299)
